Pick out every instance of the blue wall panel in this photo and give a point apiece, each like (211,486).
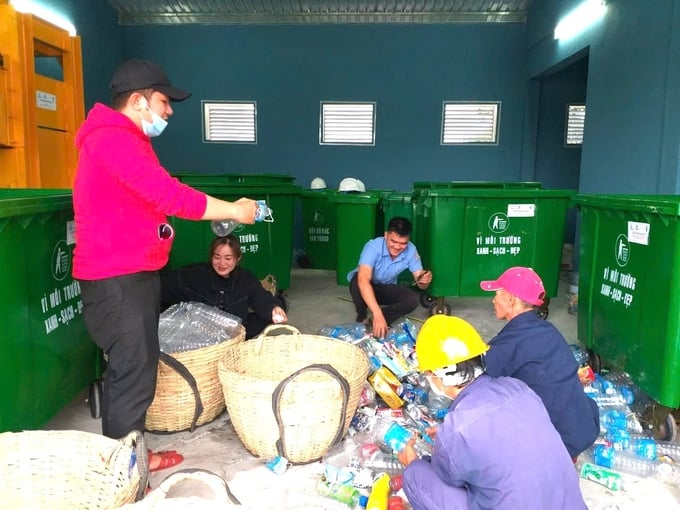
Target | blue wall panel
(408,70)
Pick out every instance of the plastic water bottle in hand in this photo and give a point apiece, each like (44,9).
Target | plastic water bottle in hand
(223,228)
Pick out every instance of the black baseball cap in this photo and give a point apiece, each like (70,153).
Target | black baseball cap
(144,74)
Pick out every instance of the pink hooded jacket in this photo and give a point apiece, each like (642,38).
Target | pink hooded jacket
(121,196)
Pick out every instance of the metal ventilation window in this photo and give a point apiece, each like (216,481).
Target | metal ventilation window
(576,120)
(347,124)
(230,122)
(470,123)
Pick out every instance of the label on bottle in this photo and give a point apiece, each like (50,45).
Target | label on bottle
(601,475)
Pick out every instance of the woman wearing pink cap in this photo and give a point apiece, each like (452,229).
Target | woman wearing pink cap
(534,351)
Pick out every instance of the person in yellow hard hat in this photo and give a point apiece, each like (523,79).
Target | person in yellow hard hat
(496,447)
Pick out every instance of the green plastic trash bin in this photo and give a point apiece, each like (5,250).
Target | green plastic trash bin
(319,228)
(358,220)
(46,355)
(399,204)
(466,235)
(629,276)
(267,247)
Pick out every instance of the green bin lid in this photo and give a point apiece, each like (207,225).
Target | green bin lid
(266,180)
(507,193)
(475,184)
(21,201)
(653,204)
(355,198)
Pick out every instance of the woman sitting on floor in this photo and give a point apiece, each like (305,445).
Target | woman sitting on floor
(226,285)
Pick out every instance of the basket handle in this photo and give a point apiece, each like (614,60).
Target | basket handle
(135,439)
(216,483)
(179,367)
(276,403)
(273,327)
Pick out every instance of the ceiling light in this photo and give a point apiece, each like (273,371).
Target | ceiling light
(580,18)
(46,13)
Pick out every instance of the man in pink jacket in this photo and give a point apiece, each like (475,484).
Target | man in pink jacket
(122,197)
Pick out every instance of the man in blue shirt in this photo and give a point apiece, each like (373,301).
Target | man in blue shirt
(496,449)
(534,351)
(373,284)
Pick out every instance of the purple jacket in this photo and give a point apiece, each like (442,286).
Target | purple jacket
(495,450)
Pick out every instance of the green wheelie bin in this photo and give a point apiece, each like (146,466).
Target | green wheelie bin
(319,227)
(469,234)
(359,219)
(629,276)
(46,355)
(267,247)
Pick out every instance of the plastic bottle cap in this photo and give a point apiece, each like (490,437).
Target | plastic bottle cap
(396,483)
(395,503)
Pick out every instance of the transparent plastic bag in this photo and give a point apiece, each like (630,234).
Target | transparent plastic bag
(188,326)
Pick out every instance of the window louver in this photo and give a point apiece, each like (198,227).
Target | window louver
(230,122)
(347,124)
(470,123)
(576,121)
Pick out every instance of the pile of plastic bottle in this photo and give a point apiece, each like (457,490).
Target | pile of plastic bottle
(624,448)
(396,405)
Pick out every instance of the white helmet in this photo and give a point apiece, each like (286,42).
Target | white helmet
(362,186)
(318,183)
(349,184)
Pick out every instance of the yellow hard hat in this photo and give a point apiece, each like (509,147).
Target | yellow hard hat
(444,340)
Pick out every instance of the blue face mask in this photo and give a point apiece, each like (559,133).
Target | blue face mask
(157,124)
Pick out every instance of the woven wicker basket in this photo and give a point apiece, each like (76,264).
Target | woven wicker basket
(46,469)
(208,492)
(292,395)
(176,405)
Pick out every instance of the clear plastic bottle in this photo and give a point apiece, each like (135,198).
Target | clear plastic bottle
(339,492)
(626,462)
(669,449)
(380,462)
(618,418)
(223,228)
(438,406)
(395,436)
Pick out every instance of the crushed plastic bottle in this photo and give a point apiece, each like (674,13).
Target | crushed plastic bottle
(223,228)
(395,436)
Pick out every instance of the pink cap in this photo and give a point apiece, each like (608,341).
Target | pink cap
(522,282)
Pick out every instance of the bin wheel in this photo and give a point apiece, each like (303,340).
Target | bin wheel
(594,361)
(440,308)
(660,422)
(426,300)
(94,397)
(543,311)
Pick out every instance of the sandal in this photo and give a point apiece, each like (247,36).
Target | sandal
(167,460)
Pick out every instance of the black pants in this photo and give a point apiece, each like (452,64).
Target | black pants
(395,300)
(121,314)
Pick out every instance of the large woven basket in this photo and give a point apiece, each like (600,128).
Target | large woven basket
(188,390)
(46,469)
(292,395)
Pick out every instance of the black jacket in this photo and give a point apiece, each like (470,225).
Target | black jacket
(235,294)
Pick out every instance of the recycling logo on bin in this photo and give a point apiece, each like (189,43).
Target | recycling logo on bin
(622,250)
(319,217)
(61,261)
(499,222)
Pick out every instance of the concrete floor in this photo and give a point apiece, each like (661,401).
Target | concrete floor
(316,300)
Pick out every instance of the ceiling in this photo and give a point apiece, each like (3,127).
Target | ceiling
(167,12)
